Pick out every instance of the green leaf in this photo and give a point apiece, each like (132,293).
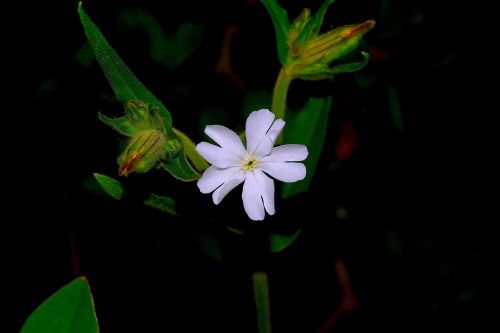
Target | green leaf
(281,23)
(280,242)
(127,87)
(124,83)
(207,243)
(111,186)
(122,124)
(395,107)
(69,310)
(162,203)
(185,41)
(307,127)
(320,15)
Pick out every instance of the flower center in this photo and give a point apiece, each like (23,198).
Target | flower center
(250,163)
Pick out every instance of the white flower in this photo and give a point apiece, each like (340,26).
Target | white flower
(232,164)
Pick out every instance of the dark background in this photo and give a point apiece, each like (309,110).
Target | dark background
(401,202)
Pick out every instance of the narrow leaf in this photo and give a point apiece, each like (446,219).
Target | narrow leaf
(281,23)
(162,203)
(127,87)
(111,186)
(121,125)
(125,84)
(69,310)
(320,15)
(307,127)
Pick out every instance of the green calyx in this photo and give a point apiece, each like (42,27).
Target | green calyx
(149,141)
(309,53)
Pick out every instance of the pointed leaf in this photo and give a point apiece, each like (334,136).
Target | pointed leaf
(111,186)
(121,125)
(280,242)
(320,15)
(162,203)
(307,127)
(69,310)
(125,84)
(127,87)
(281,23)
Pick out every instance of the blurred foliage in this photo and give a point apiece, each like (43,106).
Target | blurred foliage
(162,203)
(171,51)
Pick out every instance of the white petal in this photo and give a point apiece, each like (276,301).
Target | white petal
(226,138)
(267,143)
(222,191)
(258,123)
(252,201)
(214,177)
(217,156)
(266,186)
(287,172)
(287,153)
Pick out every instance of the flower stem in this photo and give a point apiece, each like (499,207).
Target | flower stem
(261,296)
(280,92)
(279,95)
(189,147)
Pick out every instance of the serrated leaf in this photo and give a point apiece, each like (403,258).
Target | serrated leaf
(280,242)
(307,127)
(127,87)
(162,203)
(281,23)
(69,310)
(110,185)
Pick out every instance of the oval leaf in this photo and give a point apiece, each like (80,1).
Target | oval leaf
(111,186)
(71,309)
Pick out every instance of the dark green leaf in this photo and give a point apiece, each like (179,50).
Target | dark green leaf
(208,244)
(69,310)
(111,186)
(394,107)
(171,51)
(307,127)
(280,242)
(127,88)
(256,100)
(281,23)
(124,83)
(162,203)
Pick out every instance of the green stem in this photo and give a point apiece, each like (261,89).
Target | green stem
(280,92)
(189,147)
(279,96)
(261,296)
